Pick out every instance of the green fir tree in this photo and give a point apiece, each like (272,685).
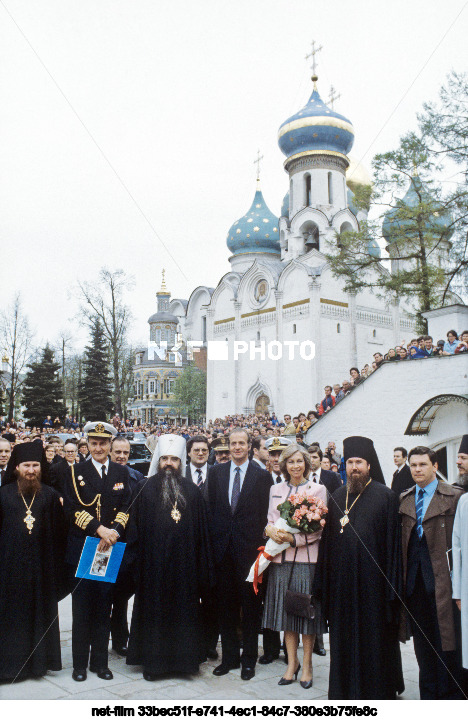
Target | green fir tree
(190,394)
(95,391)
(42,390)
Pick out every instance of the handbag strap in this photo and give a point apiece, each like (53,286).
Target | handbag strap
(294,561)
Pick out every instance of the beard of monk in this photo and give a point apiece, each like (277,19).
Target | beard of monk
(170,480)
(28,476)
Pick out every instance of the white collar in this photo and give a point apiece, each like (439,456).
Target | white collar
(98,466)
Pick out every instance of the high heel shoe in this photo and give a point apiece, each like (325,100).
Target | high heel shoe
(306,684)
(286,681)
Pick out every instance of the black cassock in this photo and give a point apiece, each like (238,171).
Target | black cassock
(171,564)
(31,583)
(359,579)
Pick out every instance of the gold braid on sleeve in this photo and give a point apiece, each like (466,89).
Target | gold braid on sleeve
(96,500)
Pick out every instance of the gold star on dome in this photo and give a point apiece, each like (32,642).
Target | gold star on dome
(267,235)
(265,220)
(275,228)
(248,236)
(250,220)
(256,229)
(315,135)
(232,237)
(258,206)
(238,230)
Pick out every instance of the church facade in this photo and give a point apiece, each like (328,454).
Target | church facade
(280,288)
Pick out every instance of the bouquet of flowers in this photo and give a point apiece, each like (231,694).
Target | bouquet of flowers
(301,513)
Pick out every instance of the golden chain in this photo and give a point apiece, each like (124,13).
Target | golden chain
(352,504)
(96,500)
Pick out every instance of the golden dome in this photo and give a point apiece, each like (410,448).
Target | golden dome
(357,174)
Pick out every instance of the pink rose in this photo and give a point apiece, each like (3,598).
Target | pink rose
(322,522)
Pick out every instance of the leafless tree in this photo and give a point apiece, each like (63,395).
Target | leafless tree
(16,338)
(105,299)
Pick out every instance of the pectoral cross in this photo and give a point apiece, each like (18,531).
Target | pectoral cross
(29,521)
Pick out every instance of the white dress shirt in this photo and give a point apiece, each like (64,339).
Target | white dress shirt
(194,471)
(243,469)
(98,466)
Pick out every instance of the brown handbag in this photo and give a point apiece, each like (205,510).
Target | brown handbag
(296,603)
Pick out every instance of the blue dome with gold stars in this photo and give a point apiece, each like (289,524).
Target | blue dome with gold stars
(257,230)
(315,129)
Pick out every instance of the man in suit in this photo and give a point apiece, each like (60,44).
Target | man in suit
(220,449)
(402,478)
(123,590)
(427,511)
(96,498)
(259,452)
(238,498)
(59,470)
(275,446)
(5,453)
(197,468)
(329,479)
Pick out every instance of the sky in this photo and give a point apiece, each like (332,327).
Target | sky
(129,128)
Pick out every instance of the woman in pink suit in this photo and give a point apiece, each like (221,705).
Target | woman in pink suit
(295,467)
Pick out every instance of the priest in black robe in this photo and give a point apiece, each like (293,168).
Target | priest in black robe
(359,580)
(32,547)
(168,549)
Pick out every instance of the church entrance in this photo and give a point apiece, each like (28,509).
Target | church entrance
(261,405)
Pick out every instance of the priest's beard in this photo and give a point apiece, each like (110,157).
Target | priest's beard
(29,483)
(171,490)
(357,481)
(463,481)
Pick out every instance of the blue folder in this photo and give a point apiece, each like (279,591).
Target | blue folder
(100,566)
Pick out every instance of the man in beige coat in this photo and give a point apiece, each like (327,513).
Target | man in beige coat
(427,513)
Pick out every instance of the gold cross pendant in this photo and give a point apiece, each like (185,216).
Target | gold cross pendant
(29,521)
(175,513)
(343,522)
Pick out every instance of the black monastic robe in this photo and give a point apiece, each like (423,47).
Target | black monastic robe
(171,565)
(31,583)
(359,579)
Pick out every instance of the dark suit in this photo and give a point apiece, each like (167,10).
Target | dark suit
(330,480)
(92,600)
(236,538)
(402,479)
(58,473)
(188,474)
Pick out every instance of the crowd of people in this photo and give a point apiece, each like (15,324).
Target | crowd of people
(383,565)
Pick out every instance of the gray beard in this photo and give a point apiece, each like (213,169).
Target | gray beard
(171,490)
(463,481)
(358,483)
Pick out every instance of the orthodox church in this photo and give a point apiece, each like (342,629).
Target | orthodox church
(280,288)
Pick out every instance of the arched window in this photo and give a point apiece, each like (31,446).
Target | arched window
(338,328)
(374,333)
(294,327)
(258,335)
(330,189)
(308,189)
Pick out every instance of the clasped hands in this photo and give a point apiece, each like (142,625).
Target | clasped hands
(279,536)
(108,538)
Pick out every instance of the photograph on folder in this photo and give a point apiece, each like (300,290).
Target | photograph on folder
(100,565)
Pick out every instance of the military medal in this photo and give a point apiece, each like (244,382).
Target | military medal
(29,518)
(175,513)
(344,519)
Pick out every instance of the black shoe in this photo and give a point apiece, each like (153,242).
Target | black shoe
(268,658)
(149,676)
(79,674)
(320,651)
(212,654)
(286,681)
(104,673)
(306,684)
(223,669)
(247,673)
(121,650)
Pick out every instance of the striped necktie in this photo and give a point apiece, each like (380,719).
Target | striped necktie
(200,478)
(419,507)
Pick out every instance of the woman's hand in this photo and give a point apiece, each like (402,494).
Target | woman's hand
(286,537)
(274,534)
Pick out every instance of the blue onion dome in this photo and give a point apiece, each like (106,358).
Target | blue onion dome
(315,129)
(285,206)
(373,248)
(257,231)
(351,202)
(400,219)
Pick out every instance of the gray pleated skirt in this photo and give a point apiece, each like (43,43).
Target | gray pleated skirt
(274,615)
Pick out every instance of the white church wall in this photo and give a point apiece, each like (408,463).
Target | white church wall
(382,406)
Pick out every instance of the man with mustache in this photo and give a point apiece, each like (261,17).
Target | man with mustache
(169,551)
(32,546)
(359,580)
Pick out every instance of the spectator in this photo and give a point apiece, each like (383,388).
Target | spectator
(328,402)
(304,424)
(289,428)
(347,388)
(451,342)
(428,346)
(378,359)
(312,417)
(391,355)
(332,453)
(355,377)
(300,440)
(339,394)
(374,366)
(366,371)
(439,349)
(403,354)
(295,422)
(462,347)
(325,464)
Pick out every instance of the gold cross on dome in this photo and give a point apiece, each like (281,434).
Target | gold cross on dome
(333,96)
(257,163)
(312,55)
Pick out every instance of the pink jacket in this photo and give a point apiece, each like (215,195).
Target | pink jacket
(278,494)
